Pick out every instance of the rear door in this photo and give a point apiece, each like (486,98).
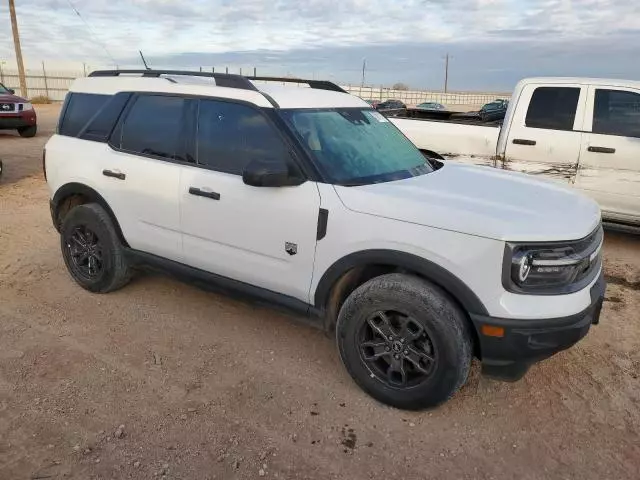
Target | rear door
(545,132)
(610,158)
(140,173)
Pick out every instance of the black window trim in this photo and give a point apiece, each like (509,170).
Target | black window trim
(575,116)
(593,110)
(299,157)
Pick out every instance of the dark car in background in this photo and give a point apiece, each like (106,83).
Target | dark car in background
(431,106)
(16,113)
(495,110)
(391,105)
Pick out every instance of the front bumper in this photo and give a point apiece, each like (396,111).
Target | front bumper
(525,342)
(18,120)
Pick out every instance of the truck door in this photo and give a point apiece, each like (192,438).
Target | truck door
(610,156)
(545,132)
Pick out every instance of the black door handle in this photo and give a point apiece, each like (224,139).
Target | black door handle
(118,175)
(201,193)
(522,141)
(601,150)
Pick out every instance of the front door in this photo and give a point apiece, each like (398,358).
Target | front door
(259,235)
(610,158)
(544,138)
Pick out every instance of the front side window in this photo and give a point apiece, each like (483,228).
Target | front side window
(153,126)
(616,112)
(553,108)
(230,135)
(354,146)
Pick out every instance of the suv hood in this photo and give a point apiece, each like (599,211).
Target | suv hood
(10,98)
(480,201)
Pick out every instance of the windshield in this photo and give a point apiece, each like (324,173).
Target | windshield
(354,146)
(3,89)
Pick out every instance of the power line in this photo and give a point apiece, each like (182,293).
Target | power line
(92,33)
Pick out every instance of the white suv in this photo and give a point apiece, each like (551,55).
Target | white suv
(309,198)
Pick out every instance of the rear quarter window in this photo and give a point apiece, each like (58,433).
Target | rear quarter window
(79,109)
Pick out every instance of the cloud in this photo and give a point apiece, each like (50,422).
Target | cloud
(312,35)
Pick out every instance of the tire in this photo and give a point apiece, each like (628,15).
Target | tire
(89,224)
(441,334)
(28,132)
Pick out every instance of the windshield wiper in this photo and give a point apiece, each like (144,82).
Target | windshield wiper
(354,184)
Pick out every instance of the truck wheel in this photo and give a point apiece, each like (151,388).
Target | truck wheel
(28,132)
(92,251)
(404,341)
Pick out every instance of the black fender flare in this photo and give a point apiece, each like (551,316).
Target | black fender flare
(75,188)
(423,267)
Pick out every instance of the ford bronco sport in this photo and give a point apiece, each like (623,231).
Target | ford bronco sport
(308,198)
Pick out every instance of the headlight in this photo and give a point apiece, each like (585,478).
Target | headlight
(552,268)
(27,106)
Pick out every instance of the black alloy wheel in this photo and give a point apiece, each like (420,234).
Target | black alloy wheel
(397,349)
(85,252)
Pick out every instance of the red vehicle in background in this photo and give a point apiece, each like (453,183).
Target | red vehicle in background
(16,113)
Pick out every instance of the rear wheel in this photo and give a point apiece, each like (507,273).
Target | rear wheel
(404,341)
(28,132)
(92,251)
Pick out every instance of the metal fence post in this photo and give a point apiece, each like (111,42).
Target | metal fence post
(44,75)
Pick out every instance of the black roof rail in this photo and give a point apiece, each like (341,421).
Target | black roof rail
(317,84)
(222,79)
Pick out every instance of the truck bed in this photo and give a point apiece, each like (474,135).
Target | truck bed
(447,137)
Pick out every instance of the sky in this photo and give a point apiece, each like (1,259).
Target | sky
(491,43)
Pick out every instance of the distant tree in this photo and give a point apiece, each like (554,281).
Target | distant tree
(400,86)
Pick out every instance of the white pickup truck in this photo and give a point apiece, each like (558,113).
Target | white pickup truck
(580,131)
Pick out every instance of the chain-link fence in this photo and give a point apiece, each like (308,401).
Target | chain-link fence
(55,84)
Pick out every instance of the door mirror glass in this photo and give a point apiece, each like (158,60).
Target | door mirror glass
(264,173)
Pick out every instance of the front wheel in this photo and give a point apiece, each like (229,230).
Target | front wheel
(28,132)
(404,341)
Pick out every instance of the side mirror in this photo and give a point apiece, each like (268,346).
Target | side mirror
(11,91)
(264,173)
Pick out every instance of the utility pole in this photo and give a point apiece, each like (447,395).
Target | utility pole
(364,66)
(446,73)
(16,44)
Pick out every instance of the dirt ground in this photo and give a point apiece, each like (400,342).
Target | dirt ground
(162,380)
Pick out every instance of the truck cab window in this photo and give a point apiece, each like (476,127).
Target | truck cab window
(553,108)
(616,112)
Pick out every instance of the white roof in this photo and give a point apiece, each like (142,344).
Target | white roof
(585,81)
(289,96)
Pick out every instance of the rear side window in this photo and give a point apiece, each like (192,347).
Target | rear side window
(100,126)
(154,126)
(231,135)
(80,108)
(553,108)
(616,112)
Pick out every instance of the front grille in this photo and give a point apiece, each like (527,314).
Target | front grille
(7,107)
